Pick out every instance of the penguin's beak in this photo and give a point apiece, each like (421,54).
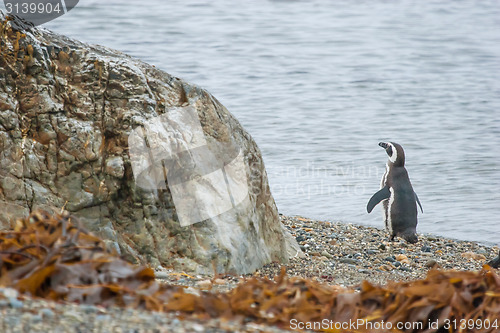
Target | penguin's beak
(383,145)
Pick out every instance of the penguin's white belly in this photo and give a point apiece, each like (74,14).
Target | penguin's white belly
(388,211)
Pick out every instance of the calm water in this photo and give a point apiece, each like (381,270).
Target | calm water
(318,84)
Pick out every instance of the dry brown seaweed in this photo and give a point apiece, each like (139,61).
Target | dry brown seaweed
(51,257)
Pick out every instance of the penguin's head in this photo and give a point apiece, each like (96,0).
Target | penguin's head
(395,152)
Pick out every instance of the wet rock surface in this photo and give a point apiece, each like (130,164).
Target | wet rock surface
(66,112)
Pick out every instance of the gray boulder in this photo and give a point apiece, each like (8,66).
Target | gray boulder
(156,166)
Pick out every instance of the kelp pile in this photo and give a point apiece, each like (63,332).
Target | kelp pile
(52,257)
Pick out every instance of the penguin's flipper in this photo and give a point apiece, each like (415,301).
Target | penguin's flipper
(384,193)
(418,201)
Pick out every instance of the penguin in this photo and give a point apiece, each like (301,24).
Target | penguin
(397,196)
(495,263)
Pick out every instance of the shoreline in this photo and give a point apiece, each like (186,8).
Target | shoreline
(335,254)
(346,254)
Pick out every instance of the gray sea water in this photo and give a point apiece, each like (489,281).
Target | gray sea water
(319,83)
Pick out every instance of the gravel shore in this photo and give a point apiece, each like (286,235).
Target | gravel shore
(335,253)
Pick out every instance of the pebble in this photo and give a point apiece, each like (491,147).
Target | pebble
(204,284)
(473,256)
(426,248)
(431,263)
(326,254)
(9,292)
(36,318)
(386,268)
(15,303)
(349,261)
(73,316)
(47,313)
(300,238)
(161,275)
(103,317)
(89,308)
(403,259)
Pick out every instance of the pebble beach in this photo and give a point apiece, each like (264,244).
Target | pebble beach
(334,253)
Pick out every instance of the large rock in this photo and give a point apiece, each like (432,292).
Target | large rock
(155,165)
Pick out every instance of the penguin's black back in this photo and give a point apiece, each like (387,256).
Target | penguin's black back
(403,212)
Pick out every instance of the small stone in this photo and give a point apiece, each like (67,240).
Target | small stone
(386,268)
(161,275)
(403,259)
(406,269)
(9,292)
(219,281)
(47,313)
(382,246)
(89,308)
(103,317)
(326,254)
(300,238)
(390,259)
(193,291)
(482,251)
(349,261)
(73,316)
(370,252)
(36,318)
(204,284)
(473,256)
(15,303)
(426,248)
(198,328)
(431,263)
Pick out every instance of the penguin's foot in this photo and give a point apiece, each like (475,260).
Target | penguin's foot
(410,236)
(495,263)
